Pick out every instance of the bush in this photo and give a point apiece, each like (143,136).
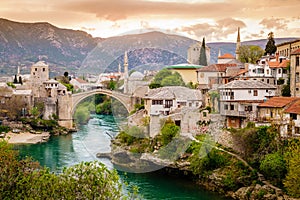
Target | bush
(169,131)
(4,129)
(273,166)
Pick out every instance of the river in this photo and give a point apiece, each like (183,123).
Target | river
(83,145)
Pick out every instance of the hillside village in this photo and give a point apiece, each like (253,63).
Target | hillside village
(239,92)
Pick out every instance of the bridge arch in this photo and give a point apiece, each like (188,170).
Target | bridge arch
(126,100)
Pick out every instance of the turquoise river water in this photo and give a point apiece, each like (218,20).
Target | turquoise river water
(83,145)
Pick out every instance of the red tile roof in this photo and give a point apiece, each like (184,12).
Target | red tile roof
(217,67)
(278,102)
(227,56)
(276,64)
(80,80)
(294,108)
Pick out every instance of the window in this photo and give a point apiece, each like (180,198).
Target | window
(190,104)
(44,69)
(249,91)
(231,107)
(297,77)
(225,107)
(297,61)
(255,93)
(204,114)
(279,71)
(267,90)
(297,89)
(268,81)
(35,69)
(168,103)
(248,108)
(293,116)
(157,102)
(268,71)
(262,80)
(197,104)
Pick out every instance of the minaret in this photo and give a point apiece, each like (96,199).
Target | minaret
(238,44)
(125,73)
(119,69)
(219,55)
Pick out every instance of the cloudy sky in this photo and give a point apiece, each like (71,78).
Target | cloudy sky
(217,20)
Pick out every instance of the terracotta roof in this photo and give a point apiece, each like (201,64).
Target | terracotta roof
(226,56)
(247,84)
(80,80)
(278,102)
(216,67)
(294,108)
(296,52)
(277,64)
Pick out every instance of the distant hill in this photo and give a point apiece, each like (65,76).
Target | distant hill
(22,44)
(25,43)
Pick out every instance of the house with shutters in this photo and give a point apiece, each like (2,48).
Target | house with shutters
(239,100)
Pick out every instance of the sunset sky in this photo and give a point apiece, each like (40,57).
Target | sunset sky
(217,20)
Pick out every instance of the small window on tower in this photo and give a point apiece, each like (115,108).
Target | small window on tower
(44,69)
(35,69)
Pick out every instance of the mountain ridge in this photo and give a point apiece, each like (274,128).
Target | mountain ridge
(23,43)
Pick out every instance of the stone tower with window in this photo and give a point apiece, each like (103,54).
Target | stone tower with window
(39,73)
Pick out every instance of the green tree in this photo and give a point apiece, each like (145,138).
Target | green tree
(270,46)
(25,179)
(15,79)
(169,131)
(112,84)
(20,80)
(273,166)
(82,115)
(292,179)
(167,77)
(250,53)
(202,58)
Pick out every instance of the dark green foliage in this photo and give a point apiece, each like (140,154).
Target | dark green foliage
(214,159)
(112,84)
(202,58)
(4,129)
(169,131)
(280,81)
(25,179)
(104,108)
(273,167)
(270,46)
(20,80)
(292,158)
(154,85)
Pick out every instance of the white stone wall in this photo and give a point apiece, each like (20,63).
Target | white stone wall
(246,94)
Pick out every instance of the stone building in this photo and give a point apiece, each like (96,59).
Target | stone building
(181,104)
(295,73)
(239,100)
(39,73)
(194,53)
(286,48)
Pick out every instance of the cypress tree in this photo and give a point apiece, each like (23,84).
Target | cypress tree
(15,79)
(270,46)
(20,80)
(202,58)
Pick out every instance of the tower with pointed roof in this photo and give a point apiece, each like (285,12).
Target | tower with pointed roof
(125,73)
(238,44)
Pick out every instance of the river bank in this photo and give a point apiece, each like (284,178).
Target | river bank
(234,178)
(26,137)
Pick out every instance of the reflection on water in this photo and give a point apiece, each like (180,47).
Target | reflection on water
(68,150)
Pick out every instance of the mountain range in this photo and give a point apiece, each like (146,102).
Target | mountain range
(22,44)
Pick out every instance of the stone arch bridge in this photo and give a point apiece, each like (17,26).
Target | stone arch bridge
(126,100)
(67,111)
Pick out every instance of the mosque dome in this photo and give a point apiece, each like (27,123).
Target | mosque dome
(136,76)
